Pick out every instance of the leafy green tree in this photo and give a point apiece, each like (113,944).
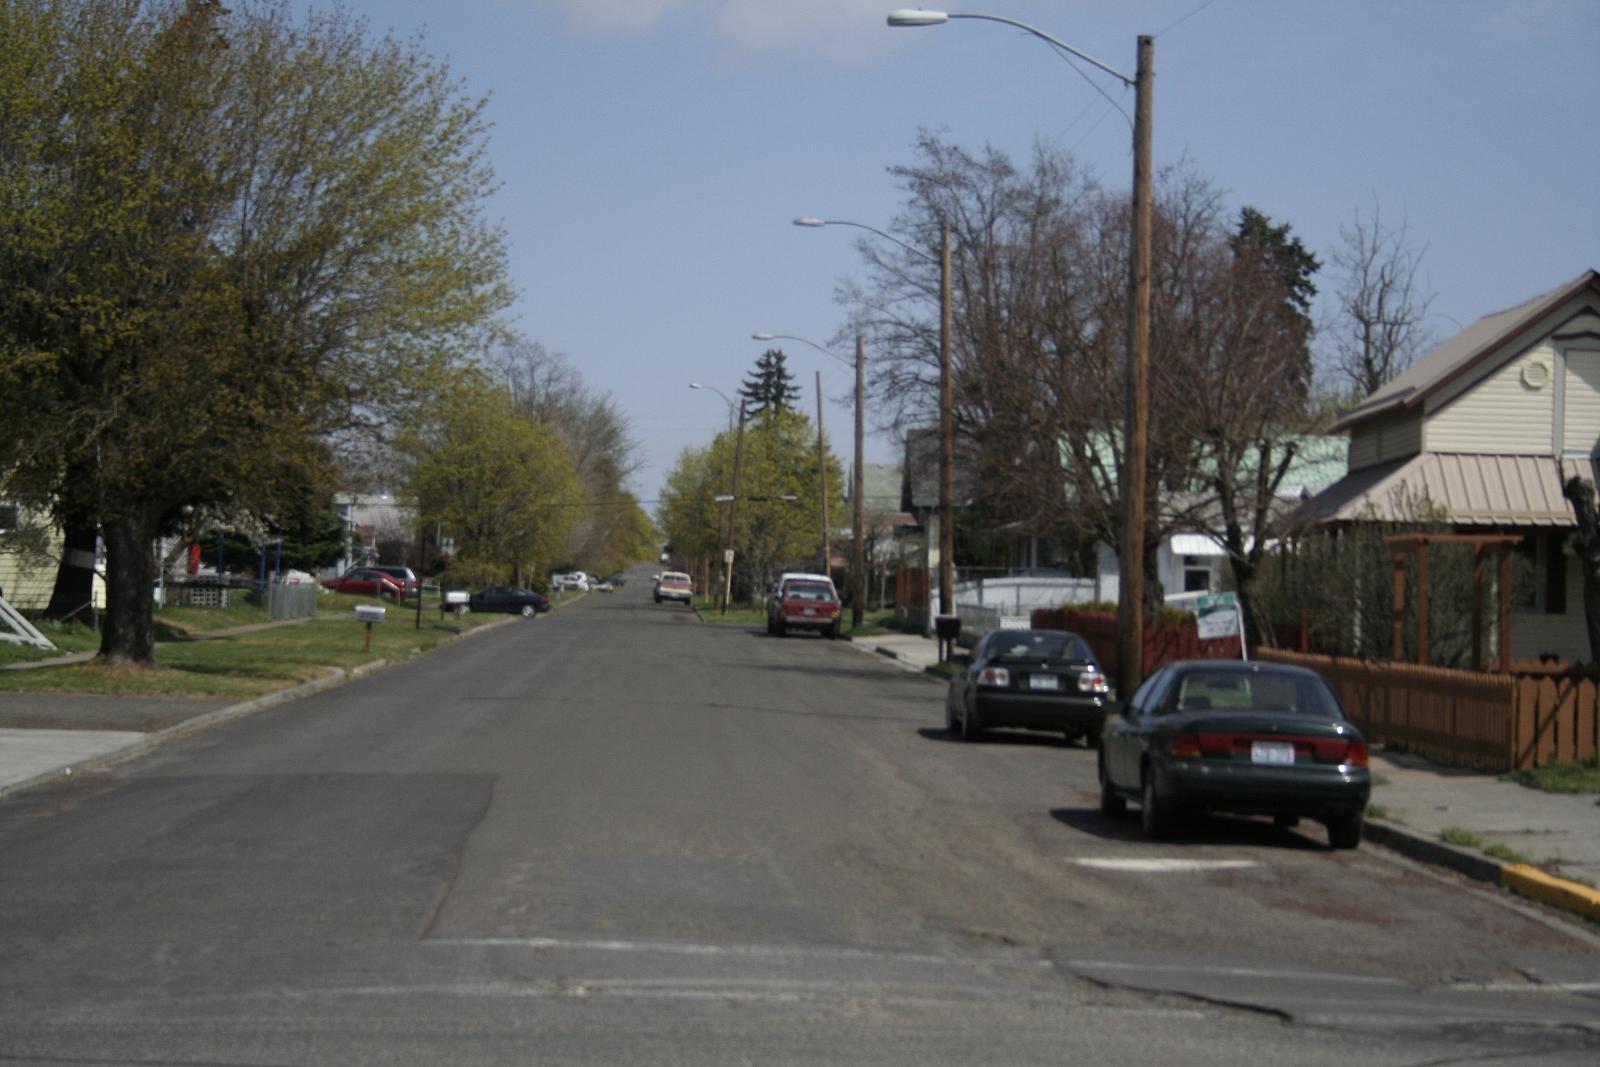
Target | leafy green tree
(773,534)
(500,484)
(232,241)
(770,387)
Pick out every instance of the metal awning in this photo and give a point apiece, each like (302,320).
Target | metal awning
(1471,489)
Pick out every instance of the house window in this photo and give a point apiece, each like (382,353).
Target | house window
(1196,574)
(1555,573)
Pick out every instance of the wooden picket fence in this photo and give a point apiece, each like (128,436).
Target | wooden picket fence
(1535,715)
(1454,716)
(1558,715)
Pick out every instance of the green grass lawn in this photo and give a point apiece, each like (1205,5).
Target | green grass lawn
(1561,777)
(258,662)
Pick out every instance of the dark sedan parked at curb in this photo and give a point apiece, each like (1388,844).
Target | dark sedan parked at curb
(1034,679)
(1241,738)
(512,598)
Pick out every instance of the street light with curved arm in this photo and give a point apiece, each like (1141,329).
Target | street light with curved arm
(858,554)
(1130,600)
(812,222)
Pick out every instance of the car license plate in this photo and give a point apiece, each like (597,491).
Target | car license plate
(1043,681)
(1274,752)
(811,611)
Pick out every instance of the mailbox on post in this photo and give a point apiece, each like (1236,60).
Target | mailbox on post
(369,614)
(454,601)
(947,628)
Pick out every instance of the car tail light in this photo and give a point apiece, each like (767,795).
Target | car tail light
(1093,682)
(995,676)
(1356,755)
(1185,746)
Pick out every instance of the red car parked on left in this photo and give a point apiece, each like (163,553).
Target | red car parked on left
(365,581)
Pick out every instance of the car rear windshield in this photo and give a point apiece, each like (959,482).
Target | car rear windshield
(1256,691)
(1025,644)
(807,591)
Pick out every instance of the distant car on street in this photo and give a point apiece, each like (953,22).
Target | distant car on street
(804,602)
(1033,679)
(1241,738)
(675,585)
(366,581)
(509,598)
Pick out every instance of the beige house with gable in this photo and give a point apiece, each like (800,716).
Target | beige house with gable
(1487,427)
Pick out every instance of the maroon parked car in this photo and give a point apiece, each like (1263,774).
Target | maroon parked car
(366,581)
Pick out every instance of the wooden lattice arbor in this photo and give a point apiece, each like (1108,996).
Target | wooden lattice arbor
(1484,545)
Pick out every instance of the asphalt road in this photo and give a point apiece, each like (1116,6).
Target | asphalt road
(618,835)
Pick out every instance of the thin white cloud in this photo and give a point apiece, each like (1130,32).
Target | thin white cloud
(774,23)
(619,14)
(836,25)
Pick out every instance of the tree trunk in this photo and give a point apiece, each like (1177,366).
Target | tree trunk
(1587,542)
(127,634)
(74,588)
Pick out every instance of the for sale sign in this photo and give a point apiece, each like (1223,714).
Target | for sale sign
(1217,616)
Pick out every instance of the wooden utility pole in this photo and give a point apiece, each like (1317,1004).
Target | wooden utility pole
(822,480)
(858,562)
(1135,457)
(733,513)
(947,432)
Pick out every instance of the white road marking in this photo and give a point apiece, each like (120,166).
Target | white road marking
(1163,866)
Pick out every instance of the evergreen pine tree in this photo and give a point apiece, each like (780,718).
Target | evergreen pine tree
(771,387)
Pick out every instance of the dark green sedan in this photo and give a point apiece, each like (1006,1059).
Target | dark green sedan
(1241,738)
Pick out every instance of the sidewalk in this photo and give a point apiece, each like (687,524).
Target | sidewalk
(1415,802)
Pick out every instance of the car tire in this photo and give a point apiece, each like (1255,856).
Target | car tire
(970,730)
(658,600)
(1154,819)
(833,631)
(1344,832)
(1113,805)
(783,628)
(527,611)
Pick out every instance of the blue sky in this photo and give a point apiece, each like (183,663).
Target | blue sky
(653,152)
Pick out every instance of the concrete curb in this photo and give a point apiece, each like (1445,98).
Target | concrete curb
(1520,878)
(1436,853)
(1557,892)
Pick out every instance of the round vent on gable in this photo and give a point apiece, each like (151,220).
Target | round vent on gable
(1536,374)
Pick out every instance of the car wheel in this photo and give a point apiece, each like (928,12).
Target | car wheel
(1154,818)
(658,600)
(1113,804)
(783,628)
(527,611)
(1345,830)
(833,631)
(970,730)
